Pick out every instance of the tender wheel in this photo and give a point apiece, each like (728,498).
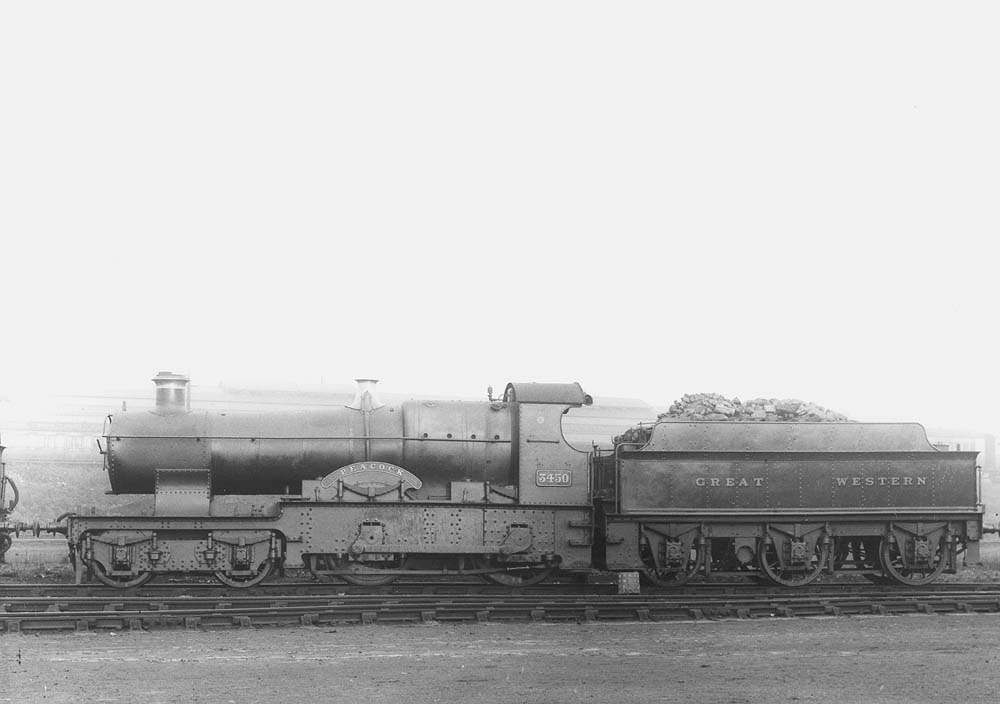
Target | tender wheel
(794,575)
(243,582)
(116,581)
(666,577)
(514,576)
(895,566)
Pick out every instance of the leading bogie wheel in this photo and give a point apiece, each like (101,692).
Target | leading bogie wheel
(116,581)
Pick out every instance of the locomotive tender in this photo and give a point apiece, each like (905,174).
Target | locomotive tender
(370,491)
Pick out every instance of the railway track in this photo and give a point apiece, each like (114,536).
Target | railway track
(298,587)
(89,609)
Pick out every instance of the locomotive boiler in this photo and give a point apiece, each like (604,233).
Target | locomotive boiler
(273,453)
(370,491)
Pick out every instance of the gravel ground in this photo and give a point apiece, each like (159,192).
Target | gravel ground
(938,658)
(858,659)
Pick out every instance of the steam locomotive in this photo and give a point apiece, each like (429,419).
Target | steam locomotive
(8,501)
(370,491)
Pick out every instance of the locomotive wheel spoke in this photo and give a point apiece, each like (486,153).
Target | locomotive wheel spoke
(367,574)
(368,580)
(321,565)
(877,578)
(895,566)
(116,581)
(516,577)
(770,564)
(314,566)
(242,582)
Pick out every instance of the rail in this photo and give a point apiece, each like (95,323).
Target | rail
(34,614)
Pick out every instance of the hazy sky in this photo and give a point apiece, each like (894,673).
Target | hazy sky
(756,199)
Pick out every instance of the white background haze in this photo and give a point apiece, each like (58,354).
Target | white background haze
(755,199)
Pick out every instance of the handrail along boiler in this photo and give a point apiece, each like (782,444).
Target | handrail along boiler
(369,491)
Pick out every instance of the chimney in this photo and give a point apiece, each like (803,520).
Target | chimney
(172,393)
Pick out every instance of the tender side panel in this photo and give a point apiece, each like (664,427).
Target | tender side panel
(677,481)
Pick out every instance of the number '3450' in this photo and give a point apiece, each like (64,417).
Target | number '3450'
(548,478)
